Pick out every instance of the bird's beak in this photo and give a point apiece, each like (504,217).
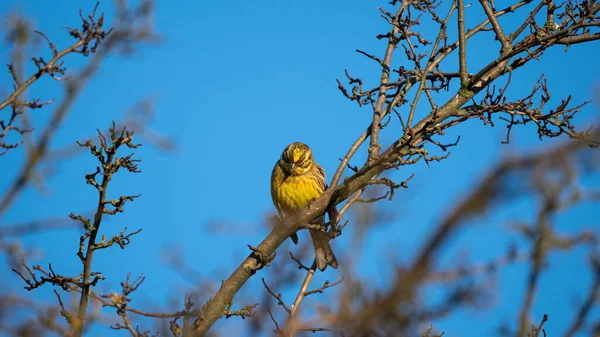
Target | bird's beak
(292,167)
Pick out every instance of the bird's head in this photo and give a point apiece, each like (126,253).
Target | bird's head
(296,159)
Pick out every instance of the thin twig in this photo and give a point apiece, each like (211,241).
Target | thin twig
(496,25)
(302,292)
(462,43)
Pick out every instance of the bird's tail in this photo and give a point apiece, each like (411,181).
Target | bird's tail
(324,254)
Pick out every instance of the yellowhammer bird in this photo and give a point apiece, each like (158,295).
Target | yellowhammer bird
(297,180)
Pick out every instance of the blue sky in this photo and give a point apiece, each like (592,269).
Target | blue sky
(233,83)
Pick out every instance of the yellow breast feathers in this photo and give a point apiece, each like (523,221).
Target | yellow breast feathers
(291,193)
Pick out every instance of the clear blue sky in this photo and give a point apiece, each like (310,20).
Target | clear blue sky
(234,83)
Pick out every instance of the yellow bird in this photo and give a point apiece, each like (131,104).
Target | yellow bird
(296,181)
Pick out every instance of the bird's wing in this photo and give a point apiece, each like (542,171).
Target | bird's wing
(274,174)
(320,177)
(322,182)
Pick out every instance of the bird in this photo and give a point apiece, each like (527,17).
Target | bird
(296,181)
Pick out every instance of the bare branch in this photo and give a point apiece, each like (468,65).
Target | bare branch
(462,43)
